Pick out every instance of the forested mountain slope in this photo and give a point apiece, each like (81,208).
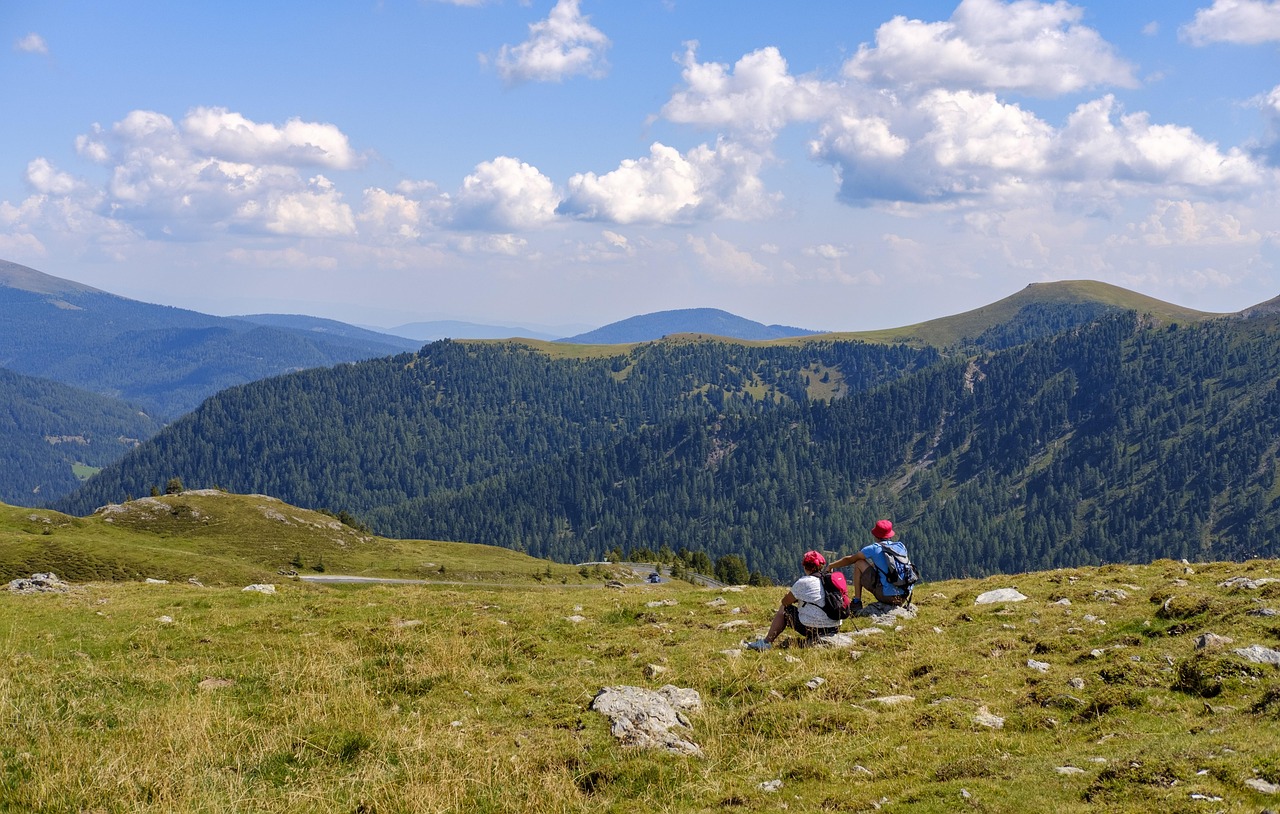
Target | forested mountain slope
(1117,442)
(166,360)
(379,433)
(49,430)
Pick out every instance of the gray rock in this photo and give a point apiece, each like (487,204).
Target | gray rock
(1041,666)
(1262,786)
(1110,595)
(886,615)
(1076,683)
(644,719)
(1258,654)
(999,595)
(1212,641)
(892,700)
(984,717)
(1265,612)
(260,588)
(1247,584)
(39,584)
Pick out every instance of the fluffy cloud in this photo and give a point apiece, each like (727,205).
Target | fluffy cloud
(670,187)
(214,171)
(317,211)
(565,44)
(725,261)
(1025,46)
(1247,22)
(942,146)
(32,44)
(218,131)
(505,194)
(46,180)
(1190,223)
(391,214)
(945,146)
(757,95)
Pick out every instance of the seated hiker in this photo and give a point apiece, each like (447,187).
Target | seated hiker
(801,608)
(874,568)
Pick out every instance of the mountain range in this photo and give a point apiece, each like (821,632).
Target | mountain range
(1062,427)
(164,360)
(156,363)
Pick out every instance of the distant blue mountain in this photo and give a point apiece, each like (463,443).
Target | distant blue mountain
(395,343)
(648,327)
(162,359)
(453,329)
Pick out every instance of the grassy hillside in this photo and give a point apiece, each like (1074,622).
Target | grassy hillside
(220,538)
(1089,696)
(949,330)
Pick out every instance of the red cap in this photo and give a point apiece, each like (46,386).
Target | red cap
(882,530)
(814,558)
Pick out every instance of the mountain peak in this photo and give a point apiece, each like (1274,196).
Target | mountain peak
(709,321)
(24,278)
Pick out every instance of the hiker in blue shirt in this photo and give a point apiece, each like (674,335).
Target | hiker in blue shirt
(871,566)
(801,608)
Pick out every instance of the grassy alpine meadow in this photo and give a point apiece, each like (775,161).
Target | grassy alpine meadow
(1090,695)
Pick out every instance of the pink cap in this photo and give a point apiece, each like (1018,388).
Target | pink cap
(814,558)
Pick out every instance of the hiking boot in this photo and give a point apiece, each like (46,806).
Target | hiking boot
(759,644)
(855,605)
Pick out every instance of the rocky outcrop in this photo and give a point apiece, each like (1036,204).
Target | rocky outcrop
(39,584)
(645,719)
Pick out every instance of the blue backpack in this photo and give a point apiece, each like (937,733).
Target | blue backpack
(895,566)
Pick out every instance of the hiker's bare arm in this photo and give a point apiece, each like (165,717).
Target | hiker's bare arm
(846,560)
(789,599)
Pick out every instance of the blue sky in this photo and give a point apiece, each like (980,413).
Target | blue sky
(835,165)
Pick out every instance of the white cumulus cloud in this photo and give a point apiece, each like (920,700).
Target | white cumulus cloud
(215,170)
(45,179)
(32,43)
(221,132)
(723,260)
(391,214)
(565,44)
(758,94)
(505,194)
(670,187)
(1030,47)
(1190,223)
(1246,22)
(953,146)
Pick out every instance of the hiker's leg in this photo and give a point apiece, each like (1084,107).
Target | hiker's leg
(864,575)
(776,626)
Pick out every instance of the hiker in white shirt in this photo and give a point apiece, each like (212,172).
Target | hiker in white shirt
(801,608)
